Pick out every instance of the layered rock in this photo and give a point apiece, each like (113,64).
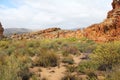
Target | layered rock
(1,31)
(109,29)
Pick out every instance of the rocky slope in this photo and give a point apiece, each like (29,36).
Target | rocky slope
(49,33)
(1,31)
(109,29)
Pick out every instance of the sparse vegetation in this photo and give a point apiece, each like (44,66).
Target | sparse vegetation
(107,55)
(69,76)
(47,58)
(71,68)
(68,60)
(16,57)
(103,59)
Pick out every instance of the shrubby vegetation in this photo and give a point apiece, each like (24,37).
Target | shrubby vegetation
(16,57)
(104,58)
(46,58)
(14,68)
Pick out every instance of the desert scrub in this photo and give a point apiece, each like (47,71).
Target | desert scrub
(68,60)
(86,46)
(71,68)
(69,49)
(4,44)
(69,76)
(47,58)
(86,66)
(3,57)
(14,69)
(107,55)
(33,43)
(114,74)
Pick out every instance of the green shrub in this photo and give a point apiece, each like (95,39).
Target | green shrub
(71,68)
(2,58)
(107,55)
(114,74)
(86,66)
(70,50)
(4,44)
(14,69)
(86,45)
(33,44)
(68,60)
(47,58)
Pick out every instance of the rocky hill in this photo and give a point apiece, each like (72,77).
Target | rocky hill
(109,29)
(49,33)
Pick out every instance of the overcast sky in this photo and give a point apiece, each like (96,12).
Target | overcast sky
(40,14)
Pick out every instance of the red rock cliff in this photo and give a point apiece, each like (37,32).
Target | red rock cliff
(109,29)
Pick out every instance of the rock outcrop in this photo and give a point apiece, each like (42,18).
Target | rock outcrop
(49,33)
(1,31)
(109,29)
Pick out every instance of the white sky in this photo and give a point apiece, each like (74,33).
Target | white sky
(40,14)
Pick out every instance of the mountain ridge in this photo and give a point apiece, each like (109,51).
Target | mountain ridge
(11,31)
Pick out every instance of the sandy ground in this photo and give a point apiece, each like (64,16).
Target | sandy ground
(54,73)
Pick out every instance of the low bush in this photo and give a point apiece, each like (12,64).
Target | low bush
(70,50)
(114,74)
(14,69)
(4,44)
(107,55)
(86,46)
(68,60)
(71,68)
(47,58)
(86,66)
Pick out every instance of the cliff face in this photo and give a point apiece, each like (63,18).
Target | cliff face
(1,31)
(109,29)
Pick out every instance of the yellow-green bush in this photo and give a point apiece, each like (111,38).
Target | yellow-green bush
(14,69)
(114,74)
(107,55)
(87,66)
(68,59)
(47,58)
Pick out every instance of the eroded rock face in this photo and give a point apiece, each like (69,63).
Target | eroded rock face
(109,29)
(1,31)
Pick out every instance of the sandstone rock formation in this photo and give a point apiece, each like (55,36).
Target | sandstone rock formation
(1,31)
(49,33)
(109,29)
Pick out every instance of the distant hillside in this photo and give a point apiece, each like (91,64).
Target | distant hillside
(10,31)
